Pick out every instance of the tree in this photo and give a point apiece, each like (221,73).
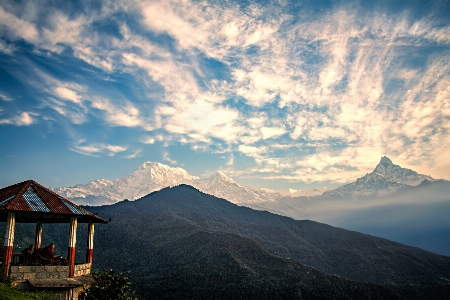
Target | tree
(108,285)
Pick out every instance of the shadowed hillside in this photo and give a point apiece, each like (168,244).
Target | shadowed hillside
(172,216)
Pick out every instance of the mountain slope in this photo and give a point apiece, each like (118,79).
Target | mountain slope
(178,260)
(174,214)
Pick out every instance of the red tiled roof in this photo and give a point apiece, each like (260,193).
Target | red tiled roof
(33,202)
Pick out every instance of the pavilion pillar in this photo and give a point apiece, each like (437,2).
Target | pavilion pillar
(38,237)
(9,241)
(90,243)
(72,242)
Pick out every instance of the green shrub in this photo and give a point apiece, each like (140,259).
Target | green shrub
(108,285)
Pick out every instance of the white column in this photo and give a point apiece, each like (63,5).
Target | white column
(90,243)
(9,241)
(72,243)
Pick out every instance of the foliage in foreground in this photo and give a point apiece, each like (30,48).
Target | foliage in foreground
(10,293)
(7,292)
(108,285)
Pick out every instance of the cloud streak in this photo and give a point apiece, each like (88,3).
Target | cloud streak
(97,149)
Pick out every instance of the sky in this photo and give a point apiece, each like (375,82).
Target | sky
(276,94)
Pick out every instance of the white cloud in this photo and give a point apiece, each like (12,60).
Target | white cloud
(167,158)
(6,48)
(135,154)
(271,132)
(93,58)
(5,97)
(251,151)
(125,115)
(212,29)
(23,119)
(67,94)
(148,140)
(63,29)
(205,118)
(19,28)
(230,161)
(97,149)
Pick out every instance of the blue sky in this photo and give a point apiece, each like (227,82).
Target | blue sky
(275,94)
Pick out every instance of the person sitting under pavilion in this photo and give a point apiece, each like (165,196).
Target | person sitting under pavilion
(47,253)
(27,259)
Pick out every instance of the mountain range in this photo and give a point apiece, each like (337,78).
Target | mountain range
(152,176)
(390,202)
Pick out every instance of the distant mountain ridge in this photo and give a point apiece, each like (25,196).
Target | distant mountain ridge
(152,176)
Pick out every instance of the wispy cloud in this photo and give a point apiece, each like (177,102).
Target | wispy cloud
(305,97)
(18,28)
(148,140)
(67,94)
(124,115)
(167,158)
(5,97)
(23,119)
(135,154)
(96,149)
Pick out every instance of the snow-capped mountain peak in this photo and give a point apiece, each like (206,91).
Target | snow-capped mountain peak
(149,177)
(385,179)
(220,176)
(156,170)
(222,186)
(385,161)
(398,174)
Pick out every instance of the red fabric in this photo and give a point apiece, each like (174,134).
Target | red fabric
(47,252)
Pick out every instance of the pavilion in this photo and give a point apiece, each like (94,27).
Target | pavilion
(30,202)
